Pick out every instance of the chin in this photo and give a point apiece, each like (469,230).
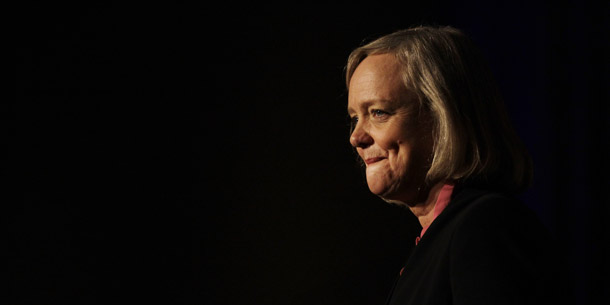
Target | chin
(377,188)
(384,192)
(397,203)
(394,195)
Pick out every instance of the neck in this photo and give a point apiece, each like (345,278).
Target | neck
(424,211)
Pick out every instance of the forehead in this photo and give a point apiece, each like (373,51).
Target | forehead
(377,77)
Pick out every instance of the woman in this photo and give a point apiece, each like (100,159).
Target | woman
(430,126)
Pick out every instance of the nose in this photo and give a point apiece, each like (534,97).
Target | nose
(360,137)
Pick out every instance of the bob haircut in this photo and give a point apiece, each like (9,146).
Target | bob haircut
(474,142)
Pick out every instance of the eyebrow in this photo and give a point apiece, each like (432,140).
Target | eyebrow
(368,103)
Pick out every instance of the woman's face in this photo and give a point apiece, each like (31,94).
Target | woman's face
(393,139)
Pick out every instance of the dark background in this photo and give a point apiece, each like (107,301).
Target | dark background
(199,154)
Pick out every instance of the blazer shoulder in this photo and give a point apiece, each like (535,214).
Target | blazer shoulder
(490,213)
(474,209)
(486,204)
(499,247)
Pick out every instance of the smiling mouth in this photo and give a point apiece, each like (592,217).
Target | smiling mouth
(370,161)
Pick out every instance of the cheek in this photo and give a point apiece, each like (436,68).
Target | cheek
(401,163)
(396,145)
(389,139)
(408,159)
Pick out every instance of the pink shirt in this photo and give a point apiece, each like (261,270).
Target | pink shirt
(441,203)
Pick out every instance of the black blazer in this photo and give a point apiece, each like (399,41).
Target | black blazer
(484,248)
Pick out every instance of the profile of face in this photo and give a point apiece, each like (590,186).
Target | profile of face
(390,133)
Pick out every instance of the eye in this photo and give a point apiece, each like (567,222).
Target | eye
(379,113)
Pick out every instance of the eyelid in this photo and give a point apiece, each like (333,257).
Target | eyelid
(379,112)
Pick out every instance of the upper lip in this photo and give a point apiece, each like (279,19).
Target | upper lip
(373,160)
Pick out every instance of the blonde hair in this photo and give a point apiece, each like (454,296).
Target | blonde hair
(474,142)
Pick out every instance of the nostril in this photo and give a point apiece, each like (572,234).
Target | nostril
(361,141)
(356,139)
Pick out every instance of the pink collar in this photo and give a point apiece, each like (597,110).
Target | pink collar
(441,203)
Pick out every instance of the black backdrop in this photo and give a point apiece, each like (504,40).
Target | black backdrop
(199,154)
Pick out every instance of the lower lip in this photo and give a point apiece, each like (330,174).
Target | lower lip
(373,160)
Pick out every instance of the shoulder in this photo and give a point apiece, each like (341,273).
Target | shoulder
(499,248)
(499,228)
(481,209)
(476,215)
